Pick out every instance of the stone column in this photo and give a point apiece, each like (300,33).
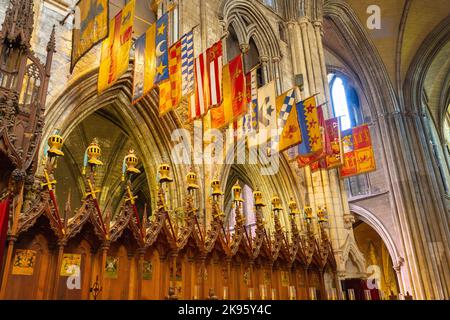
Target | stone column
(324,186)
(419,209)
(264,67)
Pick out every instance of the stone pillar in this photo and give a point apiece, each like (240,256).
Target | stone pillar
(264,67)
(324,186)
(419,209)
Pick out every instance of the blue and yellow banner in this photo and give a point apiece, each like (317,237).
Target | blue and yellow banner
(151,58)
(288,126)
(308,119)
(162,49)
(90,27)
(115,54)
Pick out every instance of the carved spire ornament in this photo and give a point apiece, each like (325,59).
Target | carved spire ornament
(17,27)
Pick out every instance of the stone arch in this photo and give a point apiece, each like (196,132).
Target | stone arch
(282,184)
(233,11)
(425,55)
(80,99)
(352,252)
(250,23)
(369,218)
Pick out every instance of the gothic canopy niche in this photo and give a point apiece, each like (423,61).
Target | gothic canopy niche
(140,124)
(249,23)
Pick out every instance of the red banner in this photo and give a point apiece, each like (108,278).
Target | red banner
(333,146)
(359,157)
(4,215)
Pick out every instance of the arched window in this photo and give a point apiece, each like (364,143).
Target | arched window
(346,105)
(270,3)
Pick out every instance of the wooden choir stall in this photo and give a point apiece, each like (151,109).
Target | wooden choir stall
(94,256)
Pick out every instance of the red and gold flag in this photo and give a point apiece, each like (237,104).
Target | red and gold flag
(4,216)
(115,55)
(175,73)
(358,152)
(234,102)
(165,98)
(333,145)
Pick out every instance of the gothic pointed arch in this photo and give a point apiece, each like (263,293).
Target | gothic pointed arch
(254,24)
(148,134)
(369,218)
(350,251)
(414,84)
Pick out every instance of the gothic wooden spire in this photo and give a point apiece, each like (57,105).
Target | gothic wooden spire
(17,27)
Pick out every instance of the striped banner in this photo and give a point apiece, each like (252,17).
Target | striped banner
(215,64)
(199,102)
(187,63)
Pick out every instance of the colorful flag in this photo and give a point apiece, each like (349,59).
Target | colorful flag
(199,102)
(162,54)
(175,73)
(358,152)
(303,161)
(91,28)
(251,123)
(165,98)
(151,58)
(308,119)
(4,216)
(215,64)
(115,54)
(333,145)
(349,167)
(288,128)
(187,63)
(144,64)
(234,102)
(267,113)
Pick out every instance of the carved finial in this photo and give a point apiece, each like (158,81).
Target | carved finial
(144,218)
(107,219)
(67,209)
(17,27)
(51,45)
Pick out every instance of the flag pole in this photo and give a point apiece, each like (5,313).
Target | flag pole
(63,21)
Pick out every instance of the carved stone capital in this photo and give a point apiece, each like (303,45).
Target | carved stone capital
(263,60)
(398,266)
(276,59)
(245,47)
(349,220)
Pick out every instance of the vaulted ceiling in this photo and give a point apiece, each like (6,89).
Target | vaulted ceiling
(405,26)
(105,125)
